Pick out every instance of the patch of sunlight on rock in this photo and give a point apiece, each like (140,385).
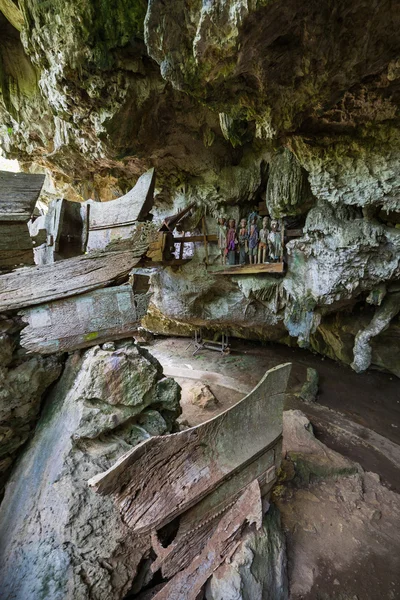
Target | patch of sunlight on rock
(9,165)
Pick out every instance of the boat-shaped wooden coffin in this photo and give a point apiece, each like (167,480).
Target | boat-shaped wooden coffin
(201,470)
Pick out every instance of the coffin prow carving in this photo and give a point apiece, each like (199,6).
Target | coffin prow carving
(166,476)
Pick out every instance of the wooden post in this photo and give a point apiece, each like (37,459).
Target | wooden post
(203,224)
(181,248)
(282,238)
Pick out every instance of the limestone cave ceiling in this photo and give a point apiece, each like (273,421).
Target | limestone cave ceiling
(290,102)
(97,93)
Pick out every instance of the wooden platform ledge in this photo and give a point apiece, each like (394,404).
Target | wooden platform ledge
(248,269)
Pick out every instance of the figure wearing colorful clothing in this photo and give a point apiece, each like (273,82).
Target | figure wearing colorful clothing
(253,243)
(231,242)
(243,242)
(263,245)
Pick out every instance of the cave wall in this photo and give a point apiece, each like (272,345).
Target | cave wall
(234,103)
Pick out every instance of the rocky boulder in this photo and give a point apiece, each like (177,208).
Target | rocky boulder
(23,380)
(59,539)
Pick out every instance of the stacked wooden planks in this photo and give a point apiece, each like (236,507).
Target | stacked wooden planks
(18,195)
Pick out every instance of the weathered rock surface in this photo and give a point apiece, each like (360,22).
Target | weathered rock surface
(23,380)
(59,540)
(234,103)
(201,395)
(330,517)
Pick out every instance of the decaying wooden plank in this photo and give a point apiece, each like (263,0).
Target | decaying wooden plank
(278,267)
(198,523)
(188,583)
(10,260)
(81,321)
(15,236)
(18,195)
(165,476)
(134,206)
(36,285)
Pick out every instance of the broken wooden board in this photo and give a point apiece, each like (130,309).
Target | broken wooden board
(73,276)
(116,219)
(81,321)
(278,267)
(58,234)
(165,476)
(198,524)
(221,545)
(171,222)
(18,195)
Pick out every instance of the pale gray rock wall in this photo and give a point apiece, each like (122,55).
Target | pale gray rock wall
(23,381)
(60,540)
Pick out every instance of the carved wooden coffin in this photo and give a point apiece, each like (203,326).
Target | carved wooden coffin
(36,285)
(60,233)
(165,476)
(220,546)
(115,220)
(18,195)
(99,316)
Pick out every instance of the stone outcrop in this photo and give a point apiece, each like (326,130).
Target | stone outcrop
(330,511)
(59,540)
(233,103)
(23,381)
(257,570)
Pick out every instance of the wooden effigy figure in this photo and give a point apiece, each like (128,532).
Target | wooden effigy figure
(263,252)
(275,243)
(243,239)
(231,242)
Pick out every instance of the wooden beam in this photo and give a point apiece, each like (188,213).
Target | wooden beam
(166,475)
(203,226)
(70,277)
(291,233)
(18,195)
(196,238)
(92,318)
(248,269)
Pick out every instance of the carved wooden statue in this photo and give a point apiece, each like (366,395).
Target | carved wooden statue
(263,245)
(253,241)
(243,239)
(222,238)
(275,243)
(231,242)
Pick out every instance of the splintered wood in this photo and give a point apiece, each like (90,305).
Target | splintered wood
(221,545)
(213,475)
(77,322)
(165,476)
(36,285)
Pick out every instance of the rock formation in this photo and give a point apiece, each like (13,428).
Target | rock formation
(234,103)
(58,539)
(23,381)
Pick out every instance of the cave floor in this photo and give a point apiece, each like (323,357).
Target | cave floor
(356,414)
(343,538)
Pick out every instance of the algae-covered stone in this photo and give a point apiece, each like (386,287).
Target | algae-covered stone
(309,390)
